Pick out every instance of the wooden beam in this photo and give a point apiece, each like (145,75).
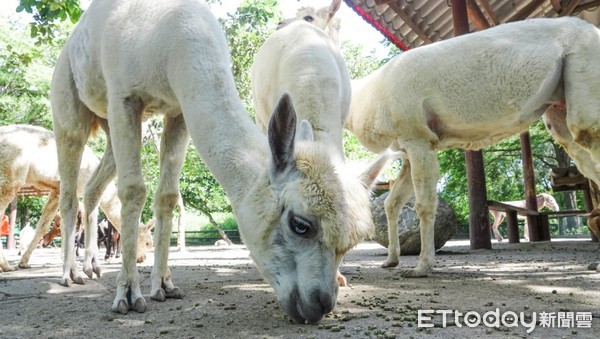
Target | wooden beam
(526,11)
(413,26)
(587,6)
(556,5)
(567,10)
(490,12)
(477,16)
(381,2)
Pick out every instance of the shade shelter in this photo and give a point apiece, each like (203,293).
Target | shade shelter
(409,24)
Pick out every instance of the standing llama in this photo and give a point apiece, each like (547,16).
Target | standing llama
(300,59)
(28,158)
(296,215)
(472,91)
(542,200)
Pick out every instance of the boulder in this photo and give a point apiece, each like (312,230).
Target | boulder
(408,225)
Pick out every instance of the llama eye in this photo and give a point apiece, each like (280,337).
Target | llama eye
(309,18)
(300,226)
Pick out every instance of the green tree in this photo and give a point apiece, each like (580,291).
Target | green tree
(47,15)
(25,73)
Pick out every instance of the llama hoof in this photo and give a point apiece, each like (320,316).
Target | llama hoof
(414,273)
(8,268)
(159,296)
(593,266)
(175,293)
(65,282)
(122,307)
(98,272)
(389,263)
(140,305)
(79,280)
(88,272)
(23,266)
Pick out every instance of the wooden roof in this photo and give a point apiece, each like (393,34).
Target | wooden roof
(412,23)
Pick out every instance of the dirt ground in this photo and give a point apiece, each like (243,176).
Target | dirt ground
(226,298)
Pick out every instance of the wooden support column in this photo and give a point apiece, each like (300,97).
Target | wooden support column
(10,241)
(479,219)
(512,226)
(529,181)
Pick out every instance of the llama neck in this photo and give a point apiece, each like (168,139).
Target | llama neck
(230,144)
(111,206)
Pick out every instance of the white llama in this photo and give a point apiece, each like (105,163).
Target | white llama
(472,91)
(296,215)
(300,59)
(29,158)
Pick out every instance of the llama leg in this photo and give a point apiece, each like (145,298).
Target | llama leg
(581,78)
(125,123)
(425,174)
(104,173)
(174,143)
(397,198)
(70,145)
(6,196)
(498,217)
(42,227)
(4,266)
(91,263)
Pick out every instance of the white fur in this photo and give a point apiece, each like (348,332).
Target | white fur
(128,60)
(28,158)
(26,237)
(472,91)
(302,60)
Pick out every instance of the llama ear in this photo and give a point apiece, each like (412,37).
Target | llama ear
(369,175)
(305,131)
(333,8)
(282,131)
(150,225)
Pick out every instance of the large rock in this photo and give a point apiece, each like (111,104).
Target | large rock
(408,225)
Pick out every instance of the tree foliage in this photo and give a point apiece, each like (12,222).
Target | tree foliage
(47,15)
(25,73)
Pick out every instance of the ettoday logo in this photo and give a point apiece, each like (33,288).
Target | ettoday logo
(495,319)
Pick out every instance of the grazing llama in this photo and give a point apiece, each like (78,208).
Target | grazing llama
(295,214)
(542,200)
(300,59)
(472,91)
(28,158)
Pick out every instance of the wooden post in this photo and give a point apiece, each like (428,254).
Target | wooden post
(529,180)
(513,227)
(10,241)
(479,219)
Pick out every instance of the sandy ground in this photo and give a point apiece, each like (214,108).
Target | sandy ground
(226,298)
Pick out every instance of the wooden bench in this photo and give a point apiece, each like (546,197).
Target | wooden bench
(511,218)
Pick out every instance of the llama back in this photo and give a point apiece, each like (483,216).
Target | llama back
(110,45)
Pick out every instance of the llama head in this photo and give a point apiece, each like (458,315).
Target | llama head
(145,242)
(301,216)
(321,17)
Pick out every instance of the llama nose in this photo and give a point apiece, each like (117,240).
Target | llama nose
(327,302)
